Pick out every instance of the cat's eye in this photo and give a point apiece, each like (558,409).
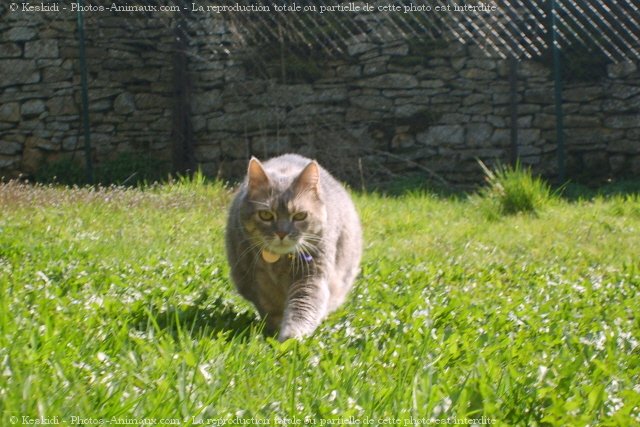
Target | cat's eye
(300,216)
(265,215)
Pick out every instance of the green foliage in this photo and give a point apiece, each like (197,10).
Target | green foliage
(125,169)
(116,303)
(66,171)
(512,190)
(131,169)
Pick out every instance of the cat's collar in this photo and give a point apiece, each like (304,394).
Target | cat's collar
(304,257)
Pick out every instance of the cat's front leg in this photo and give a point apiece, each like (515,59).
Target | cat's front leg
(307,305)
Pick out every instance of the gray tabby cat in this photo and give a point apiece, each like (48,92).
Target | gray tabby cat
(294,243)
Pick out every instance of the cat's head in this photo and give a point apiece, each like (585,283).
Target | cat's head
(283,211)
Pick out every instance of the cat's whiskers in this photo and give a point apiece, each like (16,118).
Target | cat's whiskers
(298,257)
(254,244)
(306,246)
(261,246)
(296,264)
(314,241)
(305,251)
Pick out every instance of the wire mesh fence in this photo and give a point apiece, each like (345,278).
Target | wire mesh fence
(200,64)
(503,28)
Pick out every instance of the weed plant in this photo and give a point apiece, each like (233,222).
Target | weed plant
(511,190)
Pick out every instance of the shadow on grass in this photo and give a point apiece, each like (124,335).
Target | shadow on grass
(573,191)
(203,318)
(414,184)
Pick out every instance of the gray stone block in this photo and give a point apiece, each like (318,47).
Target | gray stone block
(623,91)
(582,94)
(20,34)
(41,49)
(617,163)
(530,69)
(391,81)
(9,148)
(10,50)
(147,101)
(359,48)
(575,121)
(375,68)
(205,102)
(479,134)
(33,107)
(61,105)
(18,71)
(529,137)
(397,50)
(207,153)
(501,137)
(379,103)
(10,112)
(623,121)
(621,69)
(442,135)
(477,74)
(624,146)
(124,103)
(236,148)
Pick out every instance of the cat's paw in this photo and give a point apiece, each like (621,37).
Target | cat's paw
(287,333)
(283,338)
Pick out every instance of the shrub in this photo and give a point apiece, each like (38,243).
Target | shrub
(512,190)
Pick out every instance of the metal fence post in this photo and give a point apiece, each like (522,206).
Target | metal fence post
(182,135)
(85,95)
(513,100)
(557,78)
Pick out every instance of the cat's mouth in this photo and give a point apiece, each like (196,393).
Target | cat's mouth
(281,247)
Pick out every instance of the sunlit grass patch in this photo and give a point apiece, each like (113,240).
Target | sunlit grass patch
(115,302)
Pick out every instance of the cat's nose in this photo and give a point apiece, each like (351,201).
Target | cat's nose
(281,234)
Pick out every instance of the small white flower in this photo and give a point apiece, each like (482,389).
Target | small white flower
(314,361)
(542,372)
(442,407)
(204,371)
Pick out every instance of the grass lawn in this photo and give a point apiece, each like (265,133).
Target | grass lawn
(115,306)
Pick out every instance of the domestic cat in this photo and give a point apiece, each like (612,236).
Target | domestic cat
(294,243)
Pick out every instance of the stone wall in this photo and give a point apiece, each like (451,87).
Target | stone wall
(389,106)
(130,88)
(383,108)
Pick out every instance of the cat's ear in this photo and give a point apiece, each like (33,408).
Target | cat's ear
(309,178)
(258,179)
